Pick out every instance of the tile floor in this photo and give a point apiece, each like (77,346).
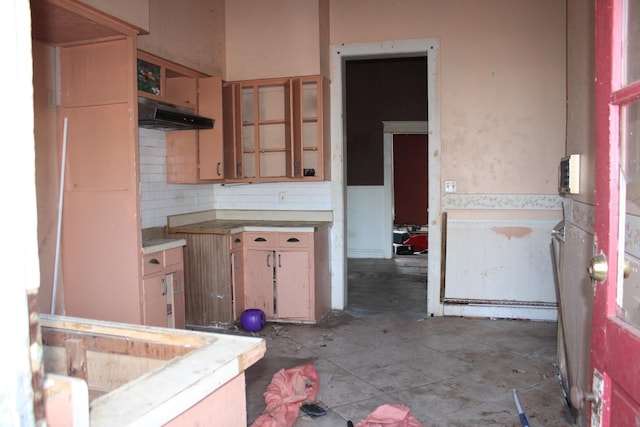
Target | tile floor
(384,348)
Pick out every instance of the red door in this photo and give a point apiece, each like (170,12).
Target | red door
(615,336)
(410,179)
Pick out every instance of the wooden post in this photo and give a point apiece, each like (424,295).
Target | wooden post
(76,358)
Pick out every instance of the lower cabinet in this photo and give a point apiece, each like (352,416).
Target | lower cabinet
(163,301)
(285,274)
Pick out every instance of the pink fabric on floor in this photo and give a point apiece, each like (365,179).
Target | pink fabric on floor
(288,390)
(391,415)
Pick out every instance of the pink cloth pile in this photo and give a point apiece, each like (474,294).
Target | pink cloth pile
(391,415)
(288,390)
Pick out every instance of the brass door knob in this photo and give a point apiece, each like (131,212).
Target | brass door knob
(598,268)
(627,268)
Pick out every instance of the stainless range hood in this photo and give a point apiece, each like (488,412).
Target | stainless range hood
(163,116)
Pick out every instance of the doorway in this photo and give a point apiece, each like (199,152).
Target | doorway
(340,232)
(398,133)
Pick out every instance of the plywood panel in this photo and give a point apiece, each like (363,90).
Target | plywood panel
(98,148)
(96,73)
(208,299)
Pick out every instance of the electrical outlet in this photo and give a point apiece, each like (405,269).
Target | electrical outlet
(282,197)
(450,186)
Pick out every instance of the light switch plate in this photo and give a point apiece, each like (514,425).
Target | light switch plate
(450,186)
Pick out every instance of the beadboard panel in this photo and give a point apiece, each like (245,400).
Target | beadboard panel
(500,261)
(208,296)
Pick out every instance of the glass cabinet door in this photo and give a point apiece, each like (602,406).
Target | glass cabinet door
(266,129)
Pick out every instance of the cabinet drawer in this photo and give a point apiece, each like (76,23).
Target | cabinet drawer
(255,239)
(235,241)
(173,256)
(152,263)
(293,240)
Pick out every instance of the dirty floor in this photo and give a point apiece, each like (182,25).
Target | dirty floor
(384,348)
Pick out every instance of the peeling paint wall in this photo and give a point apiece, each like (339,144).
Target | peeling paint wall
(502,83)
(275,38)
(134,12)
(191,33)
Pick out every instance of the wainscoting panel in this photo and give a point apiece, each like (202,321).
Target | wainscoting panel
(500,263)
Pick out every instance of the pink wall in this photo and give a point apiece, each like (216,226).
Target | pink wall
(502,83)
(134,12)
(273,38)
(190,33)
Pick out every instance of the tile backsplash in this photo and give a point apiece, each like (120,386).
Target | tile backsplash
(158,199)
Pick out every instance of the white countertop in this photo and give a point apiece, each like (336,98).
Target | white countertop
(156,245)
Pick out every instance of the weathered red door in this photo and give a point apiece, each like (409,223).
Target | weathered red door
(410,179)
(615,336)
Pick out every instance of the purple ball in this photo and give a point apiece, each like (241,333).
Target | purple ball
(253,320)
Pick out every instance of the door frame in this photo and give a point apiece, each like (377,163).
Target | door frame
(391,128)
(340,53)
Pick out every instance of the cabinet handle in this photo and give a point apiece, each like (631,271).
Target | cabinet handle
(176,289)
(293,240)
(268,257)
(154,261)
(164,290)
(259,239)
(279,261)
(218,168)
(237,240)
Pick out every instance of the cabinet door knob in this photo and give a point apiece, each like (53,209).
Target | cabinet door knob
(259,239)
(164,287)
(218,168)
(293,240)
(154,261)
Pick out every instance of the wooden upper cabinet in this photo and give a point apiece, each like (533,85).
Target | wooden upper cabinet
(167,81)
(308,127)
(193,156)
(210,141)
(274,129)
(196,156)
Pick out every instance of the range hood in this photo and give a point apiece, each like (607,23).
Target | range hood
(158,115)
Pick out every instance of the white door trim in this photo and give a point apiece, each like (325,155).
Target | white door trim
(339,54)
